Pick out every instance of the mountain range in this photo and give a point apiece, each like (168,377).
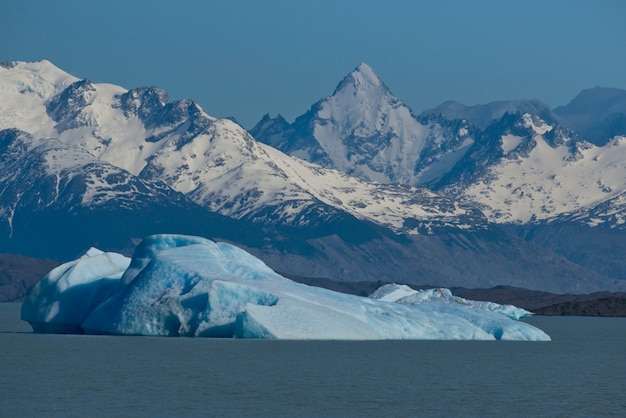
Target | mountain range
(357,188)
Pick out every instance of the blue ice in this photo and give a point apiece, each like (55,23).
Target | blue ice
(188,286)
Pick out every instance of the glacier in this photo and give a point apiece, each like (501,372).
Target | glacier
(177,285)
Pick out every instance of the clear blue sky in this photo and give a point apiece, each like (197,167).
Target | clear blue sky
(245,58)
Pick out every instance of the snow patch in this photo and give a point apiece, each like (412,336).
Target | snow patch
(510,142)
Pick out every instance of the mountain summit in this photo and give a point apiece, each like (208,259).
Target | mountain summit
(363,130)
(362,81)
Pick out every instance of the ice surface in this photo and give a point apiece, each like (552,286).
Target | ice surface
(189,286)
(405,295)
(62,300)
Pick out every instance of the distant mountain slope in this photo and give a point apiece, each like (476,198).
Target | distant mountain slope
(486,114)
(597,114)
(480,259)
(519,162)
(57,200)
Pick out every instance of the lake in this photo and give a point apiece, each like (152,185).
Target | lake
(580,373)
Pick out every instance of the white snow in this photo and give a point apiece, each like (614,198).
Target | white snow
(539,126)
(189,286)
(363,107)
(551,180)
(24,89)
(510,142)
(365,131)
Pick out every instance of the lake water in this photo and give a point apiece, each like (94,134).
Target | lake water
(582,372)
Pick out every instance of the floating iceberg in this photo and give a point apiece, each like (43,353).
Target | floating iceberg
(408,296)
(189,286)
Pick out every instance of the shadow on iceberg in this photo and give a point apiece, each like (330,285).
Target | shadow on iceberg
(178,285)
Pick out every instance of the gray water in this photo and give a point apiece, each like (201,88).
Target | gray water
(581,372)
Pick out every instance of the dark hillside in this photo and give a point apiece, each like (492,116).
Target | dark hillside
(18,274)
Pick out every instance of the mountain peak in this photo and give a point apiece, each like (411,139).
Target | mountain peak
(366,72)
(361,78)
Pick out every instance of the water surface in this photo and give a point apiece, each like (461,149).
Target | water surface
(580,373)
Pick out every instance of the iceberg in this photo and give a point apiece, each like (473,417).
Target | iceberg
(187,286)
(408,296)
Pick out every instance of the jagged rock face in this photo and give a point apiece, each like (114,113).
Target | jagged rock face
(143,102)
(45,173)
(65,108)
(271,129)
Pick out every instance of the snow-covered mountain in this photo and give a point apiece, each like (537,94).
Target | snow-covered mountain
(83,161)
(214,162)
(70,176)
(524,170)
(597,114)
(546,184)
(483,115)
(522,166)
(363,130)
(55,199)
(528,168)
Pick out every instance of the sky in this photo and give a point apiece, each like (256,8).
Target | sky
(246,58)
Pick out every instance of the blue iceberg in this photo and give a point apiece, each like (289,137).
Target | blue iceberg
(188,286)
